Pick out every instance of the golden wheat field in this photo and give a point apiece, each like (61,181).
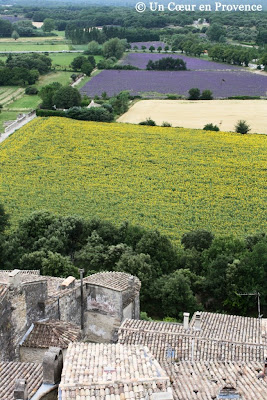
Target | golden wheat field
(169,179)
(196,114)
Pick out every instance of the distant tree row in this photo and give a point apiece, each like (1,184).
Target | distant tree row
(25,28)
(205,272)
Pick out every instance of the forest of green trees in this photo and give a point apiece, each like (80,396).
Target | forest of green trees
(205,272)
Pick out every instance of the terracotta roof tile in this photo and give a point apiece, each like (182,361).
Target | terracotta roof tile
(52,333)
(119,281)
(10,371)
(205,380)
(172,341)
(111,371)
(229,327)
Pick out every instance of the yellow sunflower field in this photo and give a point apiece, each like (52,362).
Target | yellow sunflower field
(170,179)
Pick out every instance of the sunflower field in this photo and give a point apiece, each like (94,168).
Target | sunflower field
(170,179)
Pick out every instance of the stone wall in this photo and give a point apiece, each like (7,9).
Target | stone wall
(36,355)
(66,308)
(7,330)
(103,313)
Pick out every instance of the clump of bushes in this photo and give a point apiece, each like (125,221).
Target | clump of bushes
(31,90)
(195,94)
(101,114)
(211,127)
(167,64)
(148,122)
(166,124)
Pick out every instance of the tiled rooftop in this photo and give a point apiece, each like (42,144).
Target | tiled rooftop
(220,338)
(118,281)
(23,271)
(111,371)
(230,327)
(205,380)
(52,333)
(11,371)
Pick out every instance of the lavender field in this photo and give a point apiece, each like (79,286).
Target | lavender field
(223,84)
(147,44)
(140,60)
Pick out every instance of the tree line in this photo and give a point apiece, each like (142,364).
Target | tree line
(23,69)
(205,272)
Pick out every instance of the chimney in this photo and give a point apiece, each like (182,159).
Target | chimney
(68,283)
(21,389)
(14,278)
(186,320)
(197,326)
(52,365)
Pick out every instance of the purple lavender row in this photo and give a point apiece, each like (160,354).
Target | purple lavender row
(222,83)
(140,60)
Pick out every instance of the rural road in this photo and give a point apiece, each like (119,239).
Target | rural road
(18,125)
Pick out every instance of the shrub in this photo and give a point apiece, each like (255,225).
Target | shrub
(166,124)
(31,90)
(206,95)
(242,127)
(148,121)
(173,96)
(194,94)
(211,127)
(50,113)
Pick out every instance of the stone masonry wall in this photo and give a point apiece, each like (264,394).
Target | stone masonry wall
(7,331)
(103,313)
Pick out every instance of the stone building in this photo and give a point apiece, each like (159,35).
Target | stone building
(27,297)
(111,297)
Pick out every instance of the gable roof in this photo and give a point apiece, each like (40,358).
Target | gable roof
(52,333)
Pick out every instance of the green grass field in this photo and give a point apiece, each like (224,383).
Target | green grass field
(62,77)
(65,59)
(170,179)
(26,102)
(7,116)
(31,46)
